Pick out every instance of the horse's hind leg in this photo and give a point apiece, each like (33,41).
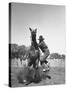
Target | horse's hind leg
(34,64)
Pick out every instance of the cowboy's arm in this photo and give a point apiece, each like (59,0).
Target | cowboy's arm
(43,46)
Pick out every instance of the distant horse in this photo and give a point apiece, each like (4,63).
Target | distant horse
(34,53)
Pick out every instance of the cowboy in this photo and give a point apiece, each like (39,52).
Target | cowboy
(44,49)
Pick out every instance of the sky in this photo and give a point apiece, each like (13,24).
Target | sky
(48,19)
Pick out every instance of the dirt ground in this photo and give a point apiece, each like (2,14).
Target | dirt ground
(57,74)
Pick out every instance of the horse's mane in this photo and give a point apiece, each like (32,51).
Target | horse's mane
(34,42)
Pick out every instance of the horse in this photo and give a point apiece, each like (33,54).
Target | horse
(34,74)
(34,53)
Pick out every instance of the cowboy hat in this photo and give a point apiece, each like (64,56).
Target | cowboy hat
(41,37)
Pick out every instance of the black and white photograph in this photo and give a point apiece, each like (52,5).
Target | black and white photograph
(37,44)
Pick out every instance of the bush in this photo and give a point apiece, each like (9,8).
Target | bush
(16,51)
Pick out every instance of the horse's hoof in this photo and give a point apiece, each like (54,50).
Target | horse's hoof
(49,77)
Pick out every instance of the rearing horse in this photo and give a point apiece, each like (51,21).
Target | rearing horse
(34,53)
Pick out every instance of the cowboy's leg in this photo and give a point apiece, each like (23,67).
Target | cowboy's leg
(45,66)
(46,54)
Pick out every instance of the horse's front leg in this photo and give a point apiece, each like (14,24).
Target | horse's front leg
(37,64)
(38,61)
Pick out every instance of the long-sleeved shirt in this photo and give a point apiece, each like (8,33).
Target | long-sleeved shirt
(43,46)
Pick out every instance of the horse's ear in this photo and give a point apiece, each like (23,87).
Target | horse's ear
(36,30)
(30,29)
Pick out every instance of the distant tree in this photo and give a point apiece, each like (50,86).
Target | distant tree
(14,51)
(56,56)
(21,51)
(63,56)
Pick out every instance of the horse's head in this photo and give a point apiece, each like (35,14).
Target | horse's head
(33,33)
